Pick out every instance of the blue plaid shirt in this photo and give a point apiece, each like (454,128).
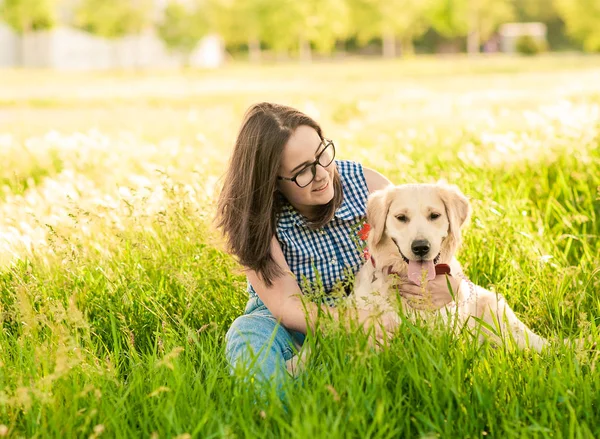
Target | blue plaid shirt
(330,253)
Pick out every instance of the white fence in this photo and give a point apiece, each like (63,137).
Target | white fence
(65,48)
(9,47)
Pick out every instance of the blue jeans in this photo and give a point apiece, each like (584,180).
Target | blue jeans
(257,344)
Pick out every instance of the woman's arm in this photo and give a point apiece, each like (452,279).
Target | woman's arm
(375,180)
(283,299)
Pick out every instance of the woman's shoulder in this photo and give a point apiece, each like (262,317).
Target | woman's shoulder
(375,181)
(357,173)
(349,168)
(354,188)
(351,173)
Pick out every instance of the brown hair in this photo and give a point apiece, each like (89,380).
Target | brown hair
(249,202)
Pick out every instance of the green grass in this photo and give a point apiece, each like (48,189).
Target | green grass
(115,295)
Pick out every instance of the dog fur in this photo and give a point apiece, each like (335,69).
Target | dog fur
(401,215)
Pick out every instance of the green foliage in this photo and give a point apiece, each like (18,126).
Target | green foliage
(456,18)
(527,45)
(239,21)
(284,25)
(582,19)
(276,24)
(325,23)
(395,19)
(449,18)
(535,10)
(182,26)
(289,26)
(113,18)
(490,14)
(28,15)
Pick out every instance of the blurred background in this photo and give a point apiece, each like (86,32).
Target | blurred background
(107,34)
(164,68)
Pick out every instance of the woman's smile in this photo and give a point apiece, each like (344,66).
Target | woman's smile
(322,188)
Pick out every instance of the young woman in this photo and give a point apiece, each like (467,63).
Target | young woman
(288,211)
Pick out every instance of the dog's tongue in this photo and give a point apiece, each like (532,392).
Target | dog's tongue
(415,271)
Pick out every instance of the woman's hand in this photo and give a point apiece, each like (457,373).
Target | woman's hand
(432,295)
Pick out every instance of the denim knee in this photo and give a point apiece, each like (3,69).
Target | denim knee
(259,344)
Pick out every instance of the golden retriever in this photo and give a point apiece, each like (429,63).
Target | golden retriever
(415,227)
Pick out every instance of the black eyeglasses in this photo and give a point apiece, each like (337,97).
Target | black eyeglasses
(306,175)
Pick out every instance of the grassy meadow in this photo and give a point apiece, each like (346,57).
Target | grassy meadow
(115,293)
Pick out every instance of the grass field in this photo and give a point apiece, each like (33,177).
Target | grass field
(115,295)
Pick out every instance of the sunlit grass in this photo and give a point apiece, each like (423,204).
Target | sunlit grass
(115,295)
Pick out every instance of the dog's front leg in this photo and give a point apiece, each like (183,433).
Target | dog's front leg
(494,310)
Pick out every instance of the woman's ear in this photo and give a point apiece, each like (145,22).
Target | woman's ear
(378,207)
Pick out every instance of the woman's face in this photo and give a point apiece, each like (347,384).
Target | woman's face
(300,151)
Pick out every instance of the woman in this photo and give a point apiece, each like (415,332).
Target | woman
(289,211)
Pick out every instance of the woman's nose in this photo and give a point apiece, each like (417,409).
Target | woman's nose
(321,173)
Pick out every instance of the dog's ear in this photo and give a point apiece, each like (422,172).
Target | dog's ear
(458,208)
(378,207)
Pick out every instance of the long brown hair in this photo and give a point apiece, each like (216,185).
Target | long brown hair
(249,201)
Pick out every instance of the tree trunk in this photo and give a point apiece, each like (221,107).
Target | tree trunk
(254,50)
(407,47)
(305,52)
(473,42)
(473,35)
(389,45)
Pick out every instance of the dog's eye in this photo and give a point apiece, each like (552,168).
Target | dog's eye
(434,216)
(402,218)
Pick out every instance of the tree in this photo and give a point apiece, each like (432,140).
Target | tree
(485,17)
(391,20)
(282,24)
(449,18)
(28,15)
(25,16)
(582,19)
(241,22)
(288,25)
(544,11)
(534,10)
(476,19)
(182,27)
(324,23)
(113,18)
(257,22)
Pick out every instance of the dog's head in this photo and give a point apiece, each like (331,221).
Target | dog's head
(416,223)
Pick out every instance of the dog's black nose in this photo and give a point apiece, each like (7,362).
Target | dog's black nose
(420,247)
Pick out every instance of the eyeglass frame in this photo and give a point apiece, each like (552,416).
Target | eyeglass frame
(313,165)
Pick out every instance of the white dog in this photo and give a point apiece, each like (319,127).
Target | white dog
(415,227)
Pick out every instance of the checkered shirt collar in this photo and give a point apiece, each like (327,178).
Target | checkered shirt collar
(289,216)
